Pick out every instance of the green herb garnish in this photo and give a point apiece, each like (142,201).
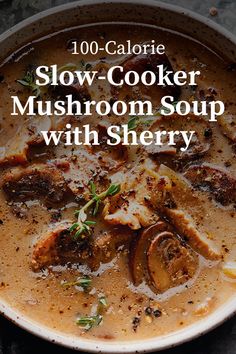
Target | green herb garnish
(102,304)
(29,81)
(88,322)
(84,282)
(103,301)
(166,110)
(133,123)
(136,121)
(83,226)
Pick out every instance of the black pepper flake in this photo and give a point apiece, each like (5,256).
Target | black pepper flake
(157,313)
(1,222)
(208,133)
(135,323)
(148,310)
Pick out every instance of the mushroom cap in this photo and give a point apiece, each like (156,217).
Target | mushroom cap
(161,258)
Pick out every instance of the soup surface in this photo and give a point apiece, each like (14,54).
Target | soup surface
(154,248)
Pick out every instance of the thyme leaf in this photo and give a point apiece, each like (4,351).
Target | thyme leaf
(83,226)
(165,109)
(102,304)
(84,282)
(29,80)
(88,322)
(136,121)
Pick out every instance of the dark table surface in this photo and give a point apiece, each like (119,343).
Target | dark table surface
(16,341)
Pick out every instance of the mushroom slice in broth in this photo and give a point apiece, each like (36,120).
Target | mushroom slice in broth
(171,262)
(147,62)
(179,154)
(28,133)
(215,180)
(161,258)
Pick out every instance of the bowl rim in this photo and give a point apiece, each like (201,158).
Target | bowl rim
(143,345)
(156,3)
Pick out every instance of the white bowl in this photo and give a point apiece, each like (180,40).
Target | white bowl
(147,12)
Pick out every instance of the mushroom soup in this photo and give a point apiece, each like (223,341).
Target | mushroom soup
(127,242)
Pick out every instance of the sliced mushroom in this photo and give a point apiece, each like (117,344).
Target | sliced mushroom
(200,143)
(105,245)
(215,180)
(80,169)
(161,258)
(138,251)
(40,181)
(135,205)
(77,91)
(227,125)
(171,262)
(149,62)
(181,207)
(58,247)
(187,228)
(28,134)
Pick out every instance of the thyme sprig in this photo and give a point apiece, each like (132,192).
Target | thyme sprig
(84,282)
(88,322)
(135,122)
(29,80)
(83,226)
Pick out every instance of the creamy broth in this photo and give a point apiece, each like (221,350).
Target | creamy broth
(133,311)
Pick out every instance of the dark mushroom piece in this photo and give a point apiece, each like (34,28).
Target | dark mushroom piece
(207,94)
(171,262)
(162,259)
(77,91)
(139,248)
(28,134)
(57,247)
(199,146)
(148,62)
(214,180)
(106,245)
(40,181)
